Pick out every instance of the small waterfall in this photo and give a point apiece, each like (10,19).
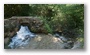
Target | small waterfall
(22,38)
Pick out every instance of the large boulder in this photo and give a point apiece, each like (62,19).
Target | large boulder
(12,25)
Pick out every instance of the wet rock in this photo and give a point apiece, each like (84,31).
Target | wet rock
(61,37)
(77,45)
(57,35)
(68,45)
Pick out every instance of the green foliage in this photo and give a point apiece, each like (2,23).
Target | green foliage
(68,17)
(47,25)
(81,40)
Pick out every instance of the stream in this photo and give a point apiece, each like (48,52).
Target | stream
(22,38)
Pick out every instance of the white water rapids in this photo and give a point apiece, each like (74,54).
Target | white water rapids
(22,38)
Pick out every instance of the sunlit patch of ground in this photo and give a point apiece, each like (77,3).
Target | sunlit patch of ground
(55,40)
(43,41)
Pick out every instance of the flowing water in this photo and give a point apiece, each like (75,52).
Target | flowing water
(22,38)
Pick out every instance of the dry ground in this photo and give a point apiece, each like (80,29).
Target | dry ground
(42,41)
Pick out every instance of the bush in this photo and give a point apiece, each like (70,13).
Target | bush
(47,27)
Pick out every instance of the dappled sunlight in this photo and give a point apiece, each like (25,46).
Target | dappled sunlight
(55,40)
(38,38)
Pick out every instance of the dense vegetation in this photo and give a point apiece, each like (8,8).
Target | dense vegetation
(65,18)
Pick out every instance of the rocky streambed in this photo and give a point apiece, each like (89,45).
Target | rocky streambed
(29,33)
(43,41)
(26,40)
